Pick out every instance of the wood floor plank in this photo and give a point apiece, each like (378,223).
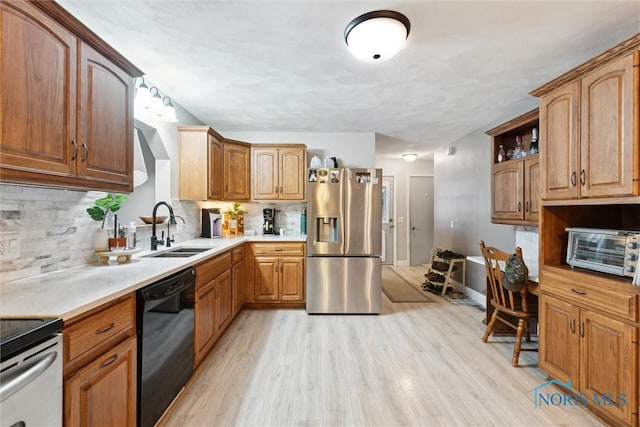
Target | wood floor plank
(412,365)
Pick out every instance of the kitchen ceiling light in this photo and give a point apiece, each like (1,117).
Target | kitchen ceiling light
(409,157)
(169,112)
(377,36)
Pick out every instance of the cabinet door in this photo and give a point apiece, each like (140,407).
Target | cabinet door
(507,180)
(606,136)
(559,145)
(609,363)
(237,167)
(291,279)
(38,73)
(265,174)
(558,353)
(204,322)
(532,188)
(292,172)
(106,121)
(223,301)
(103,393)
(237,283)
(215,189)
(265,279)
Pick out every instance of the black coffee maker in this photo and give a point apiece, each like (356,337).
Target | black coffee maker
(269,225)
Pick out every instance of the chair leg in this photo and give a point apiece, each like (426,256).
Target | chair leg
(527,331)
(489,329)
(516,349)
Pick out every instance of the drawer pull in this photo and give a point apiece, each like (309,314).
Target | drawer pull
(572,326)
(278,250)
(103,330)
(85,152)
(582,329)
(578,291)
(573,178)
(582,181)
(109,361)
(75,149)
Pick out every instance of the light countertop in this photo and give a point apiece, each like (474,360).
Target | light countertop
(68,293)
(533,275)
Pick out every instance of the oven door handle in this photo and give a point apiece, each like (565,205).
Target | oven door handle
(21,375)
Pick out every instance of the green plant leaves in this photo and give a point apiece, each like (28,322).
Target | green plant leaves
(104,205)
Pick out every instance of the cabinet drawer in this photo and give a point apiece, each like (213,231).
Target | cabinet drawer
(209,270)
(88,337)
(237,254)
(278,248)
(613,301)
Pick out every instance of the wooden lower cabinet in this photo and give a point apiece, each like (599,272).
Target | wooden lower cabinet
(597,354)
(204,321)
(103,393)
(278,279)
(223,302)
(238,278)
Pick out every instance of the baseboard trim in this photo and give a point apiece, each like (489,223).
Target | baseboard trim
(478,297)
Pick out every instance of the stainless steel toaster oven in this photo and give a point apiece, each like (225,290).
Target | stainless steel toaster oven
(607,251)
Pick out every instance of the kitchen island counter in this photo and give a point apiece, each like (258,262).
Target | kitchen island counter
(71,292)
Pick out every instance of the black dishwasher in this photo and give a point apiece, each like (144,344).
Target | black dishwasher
(165,343)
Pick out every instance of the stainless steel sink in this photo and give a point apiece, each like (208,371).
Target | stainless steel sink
(184,252)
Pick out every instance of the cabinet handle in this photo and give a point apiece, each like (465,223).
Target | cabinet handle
(578,291)
(277,250)
(573,178)
(582,177)
(526,206)
(582,329)
(103,330)
(281,189)
(572,326)
(85,152)
(75,149)
(109,361)
(519,206)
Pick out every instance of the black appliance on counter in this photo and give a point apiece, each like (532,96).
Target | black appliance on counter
(269,225)
(165,320)
(30,372)
(211,223)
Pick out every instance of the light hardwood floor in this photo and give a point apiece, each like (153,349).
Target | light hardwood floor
(413,365)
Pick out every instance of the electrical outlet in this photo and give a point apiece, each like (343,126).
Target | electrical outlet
(9,246)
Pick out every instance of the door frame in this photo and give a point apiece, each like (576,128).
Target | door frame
(395,214)
(408,193)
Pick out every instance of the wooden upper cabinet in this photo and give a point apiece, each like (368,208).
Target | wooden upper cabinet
(559,144)
(237,171)
(67,102)
(106,119)
(211,168)
(515,183)
(215,175)
(590,126)
(38,77)
(607,120)
(278,172)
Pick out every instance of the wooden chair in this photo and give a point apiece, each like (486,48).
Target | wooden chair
(505,301)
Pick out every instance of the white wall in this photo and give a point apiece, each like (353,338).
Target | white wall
(401,171)
(352,149)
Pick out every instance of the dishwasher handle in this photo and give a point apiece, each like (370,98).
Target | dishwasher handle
(169,286)
(22,374)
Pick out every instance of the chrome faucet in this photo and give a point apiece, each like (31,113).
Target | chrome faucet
(172,220)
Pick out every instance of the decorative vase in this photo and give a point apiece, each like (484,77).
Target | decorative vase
(233,226)
(101,240)
(117,243)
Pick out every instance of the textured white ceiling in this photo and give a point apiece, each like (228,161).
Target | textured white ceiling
(283,65)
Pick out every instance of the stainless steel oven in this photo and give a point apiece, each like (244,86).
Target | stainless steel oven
(603,250)
(165,343)
(31,372)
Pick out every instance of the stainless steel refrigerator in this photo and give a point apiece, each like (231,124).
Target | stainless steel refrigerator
(344,234)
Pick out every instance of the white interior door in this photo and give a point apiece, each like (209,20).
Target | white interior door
(420,219)
(388,226)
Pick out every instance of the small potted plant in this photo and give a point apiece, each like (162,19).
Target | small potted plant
(235,215)
(99,212)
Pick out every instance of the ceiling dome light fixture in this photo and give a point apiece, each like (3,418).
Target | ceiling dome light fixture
(409,157)
(377,36)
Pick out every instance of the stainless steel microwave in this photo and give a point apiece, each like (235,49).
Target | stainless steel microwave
(607,251)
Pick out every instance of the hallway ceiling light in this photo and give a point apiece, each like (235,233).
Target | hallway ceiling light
(143,96)
(409,157)
(377,36)
(157,105)
(169,111)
